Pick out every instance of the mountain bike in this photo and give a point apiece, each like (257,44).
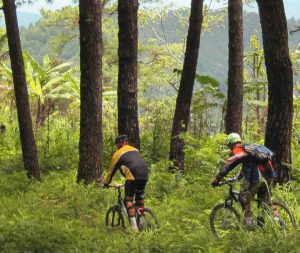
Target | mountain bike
(117,214)
(225,218)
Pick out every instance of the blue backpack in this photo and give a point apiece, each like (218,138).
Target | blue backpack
(260,153)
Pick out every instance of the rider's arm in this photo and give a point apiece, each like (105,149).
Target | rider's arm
(230,164)
(114,165)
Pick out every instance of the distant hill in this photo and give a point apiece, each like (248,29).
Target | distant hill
(24,19)
(292,10)
(213,58)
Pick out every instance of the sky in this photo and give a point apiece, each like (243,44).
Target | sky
(39,4)
(57,4)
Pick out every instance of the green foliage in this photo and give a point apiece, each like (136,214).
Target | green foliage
(255,89)
(57,144)
(45,80)
(156,126)
(208,105)
(3,41)
(10,151)
(208,83)
(206,153)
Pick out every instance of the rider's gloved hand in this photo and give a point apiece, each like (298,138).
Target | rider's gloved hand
(214,183)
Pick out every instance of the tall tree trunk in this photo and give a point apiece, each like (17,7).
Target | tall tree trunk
(29,150)
(185,93)
(127,80)
(90,144)
(280,84)
(234,112)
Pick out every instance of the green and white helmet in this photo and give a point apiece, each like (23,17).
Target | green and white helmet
(233,138)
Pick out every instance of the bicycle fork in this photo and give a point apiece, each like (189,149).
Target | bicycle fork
(125,210)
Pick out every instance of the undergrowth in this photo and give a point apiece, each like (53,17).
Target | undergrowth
(59,215)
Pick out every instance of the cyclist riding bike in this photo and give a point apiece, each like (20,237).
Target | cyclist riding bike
(128,160)
(257,176)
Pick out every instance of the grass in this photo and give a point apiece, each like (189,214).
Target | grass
(58,215)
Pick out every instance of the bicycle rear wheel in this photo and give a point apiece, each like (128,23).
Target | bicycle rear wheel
(279,214)
(146,220)
(224,219)
(114,217)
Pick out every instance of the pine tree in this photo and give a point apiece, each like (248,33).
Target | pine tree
(90,144)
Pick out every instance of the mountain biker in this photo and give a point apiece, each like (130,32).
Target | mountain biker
(128,160)
(257,176)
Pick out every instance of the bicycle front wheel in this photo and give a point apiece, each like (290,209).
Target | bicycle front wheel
(223,220)
(147,220)
(114,217)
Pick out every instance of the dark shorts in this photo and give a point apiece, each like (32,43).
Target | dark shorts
(133,187)
(249,189)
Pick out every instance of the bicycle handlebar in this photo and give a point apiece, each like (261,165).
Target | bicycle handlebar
(229,181)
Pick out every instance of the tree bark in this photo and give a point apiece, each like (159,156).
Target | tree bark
(280,84)
(90,143)
(29,150)
(127,79)
(183,103)
(234,112)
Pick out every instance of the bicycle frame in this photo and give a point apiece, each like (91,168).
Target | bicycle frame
(121,204)
(145,217)
(232,196)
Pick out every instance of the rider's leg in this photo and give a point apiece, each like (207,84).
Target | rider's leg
(245,198)
(139,194)
(247,192)
(130,188)
(265,190)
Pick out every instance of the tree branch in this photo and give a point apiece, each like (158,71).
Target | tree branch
(167,44)
(294,31)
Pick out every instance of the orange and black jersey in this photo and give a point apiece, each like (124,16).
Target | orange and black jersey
(128,160)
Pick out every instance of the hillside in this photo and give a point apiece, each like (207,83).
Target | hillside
(214,44)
